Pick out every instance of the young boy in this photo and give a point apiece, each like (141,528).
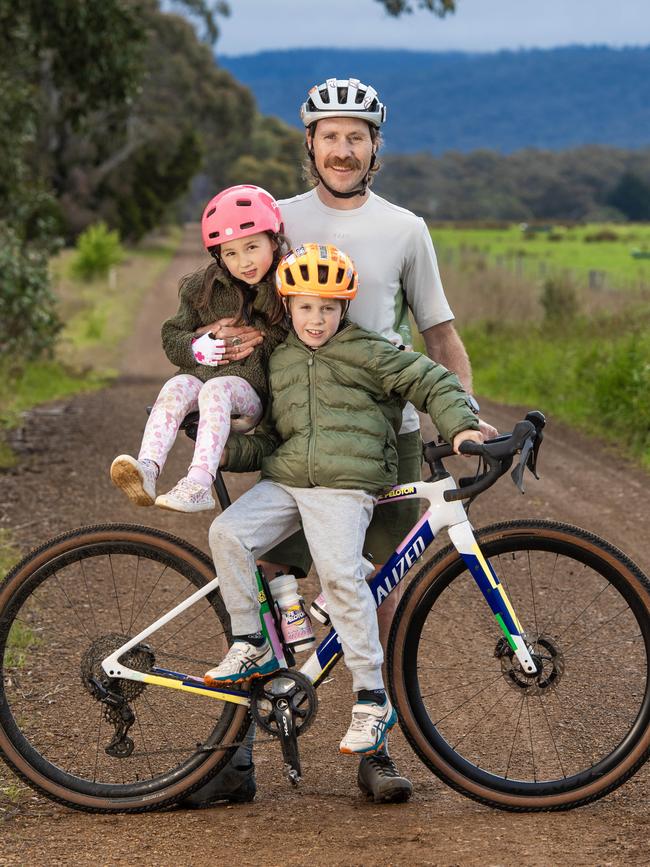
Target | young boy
(326,448)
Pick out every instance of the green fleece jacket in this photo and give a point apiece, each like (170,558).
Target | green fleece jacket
(335,412)
(178,332)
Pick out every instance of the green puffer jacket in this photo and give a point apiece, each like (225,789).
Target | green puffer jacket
(178,332)
(336,411)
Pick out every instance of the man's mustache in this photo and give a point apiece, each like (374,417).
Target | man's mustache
(349,163)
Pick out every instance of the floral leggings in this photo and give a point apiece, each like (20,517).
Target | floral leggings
(217,399)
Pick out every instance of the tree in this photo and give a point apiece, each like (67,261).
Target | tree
(631,196)
(60,60)
(438,7)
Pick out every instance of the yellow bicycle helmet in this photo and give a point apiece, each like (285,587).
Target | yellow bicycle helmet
(317,269)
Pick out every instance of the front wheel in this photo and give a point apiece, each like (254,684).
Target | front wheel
(566,737)
(63,609)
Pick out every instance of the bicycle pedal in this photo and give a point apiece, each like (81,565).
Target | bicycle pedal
(291,774)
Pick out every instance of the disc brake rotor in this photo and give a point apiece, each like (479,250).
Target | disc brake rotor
(548,658)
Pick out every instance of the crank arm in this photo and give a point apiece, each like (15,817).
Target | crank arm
(288,741)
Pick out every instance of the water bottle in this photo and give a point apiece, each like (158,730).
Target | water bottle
(318,609)
(294,621)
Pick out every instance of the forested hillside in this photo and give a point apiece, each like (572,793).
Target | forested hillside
(437,102)
(591,183)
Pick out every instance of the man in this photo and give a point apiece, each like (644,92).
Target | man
(398,272)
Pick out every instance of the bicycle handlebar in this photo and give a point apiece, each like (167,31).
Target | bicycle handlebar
(497,455)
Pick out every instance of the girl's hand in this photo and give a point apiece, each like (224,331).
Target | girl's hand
(239,340)
(474,435)
(207,350)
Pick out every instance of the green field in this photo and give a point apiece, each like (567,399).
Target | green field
(542,250)
(542,332)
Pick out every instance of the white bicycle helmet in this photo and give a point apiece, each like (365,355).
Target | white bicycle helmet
(346,97)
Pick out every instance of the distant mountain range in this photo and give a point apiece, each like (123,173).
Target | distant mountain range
(556,99)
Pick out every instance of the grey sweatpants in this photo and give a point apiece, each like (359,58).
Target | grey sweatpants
(335,523)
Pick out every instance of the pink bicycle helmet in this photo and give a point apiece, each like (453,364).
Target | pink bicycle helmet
(237,212)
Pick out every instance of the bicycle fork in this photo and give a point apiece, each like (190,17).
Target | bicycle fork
(495,595)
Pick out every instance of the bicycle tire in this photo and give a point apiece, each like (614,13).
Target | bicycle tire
(61,610)
(568,737)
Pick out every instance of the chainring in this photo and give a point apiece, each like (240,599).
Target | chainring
(292,686)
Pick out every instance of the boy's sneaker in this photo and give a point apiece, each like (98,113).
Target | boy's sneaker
(187,496)
(379,779)
(370,725)
(242,662)
(137,480)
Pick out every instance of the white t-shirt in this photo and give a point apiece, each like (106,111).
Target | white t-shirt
(392,251)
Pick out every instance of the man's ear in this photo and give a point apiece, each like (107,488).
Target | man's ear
(309,142)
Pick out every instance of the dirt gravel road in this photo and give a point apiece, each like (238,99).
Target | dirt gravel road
(62,482)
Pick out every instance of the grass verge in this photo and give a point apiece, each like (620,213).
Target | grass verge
(98,316)
(9,552)
(592,373)
(12,792)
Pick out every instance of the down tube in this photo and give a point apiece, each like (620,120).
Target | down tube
(329,651)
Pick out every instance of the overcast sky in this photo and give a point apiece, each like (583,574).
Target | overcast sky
(477,25)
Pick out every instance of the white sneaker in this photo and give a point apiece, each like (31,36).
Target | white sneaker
(242,662)
(369,727)
(186,496)
(138,481)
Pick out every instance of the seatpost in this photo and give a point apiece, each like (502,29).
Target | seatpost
(222,492)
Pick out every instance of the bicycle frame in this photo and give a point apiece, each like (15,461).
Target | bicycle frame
(440,514)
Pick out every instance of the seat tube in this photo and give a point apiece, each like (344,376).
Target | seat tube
(268,621)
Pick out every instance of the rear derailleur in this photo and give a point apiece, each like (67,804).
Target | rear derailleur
(116,694)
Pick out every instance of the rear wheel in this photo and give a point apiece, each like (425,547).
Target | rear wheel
(63,609)
(568,736)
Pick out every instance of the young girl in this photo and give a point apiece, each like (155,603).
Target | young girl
(242,230)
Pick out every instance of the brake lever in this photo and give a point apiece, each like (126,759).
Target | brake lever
(517,475)
(532,457)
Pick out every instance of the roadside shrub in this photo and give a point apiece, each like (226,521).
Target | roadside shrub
(621,384)
(559,299)
(28,319)
(98,249)
(601,235)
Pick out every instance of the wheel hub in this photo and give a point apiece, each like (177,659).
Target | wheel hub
(549,662)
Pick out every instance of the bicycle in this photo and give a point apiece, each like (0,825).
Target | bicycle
(539,700)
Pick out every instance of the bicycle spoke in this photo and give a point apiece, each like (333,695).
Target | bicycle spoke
(88,596)
(72,607)
(464,703)
(117,595)
(514,738)
(550,732)
(135,591)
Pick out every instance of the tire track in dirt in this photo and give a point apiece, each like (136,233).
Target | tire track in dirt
(62,482)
